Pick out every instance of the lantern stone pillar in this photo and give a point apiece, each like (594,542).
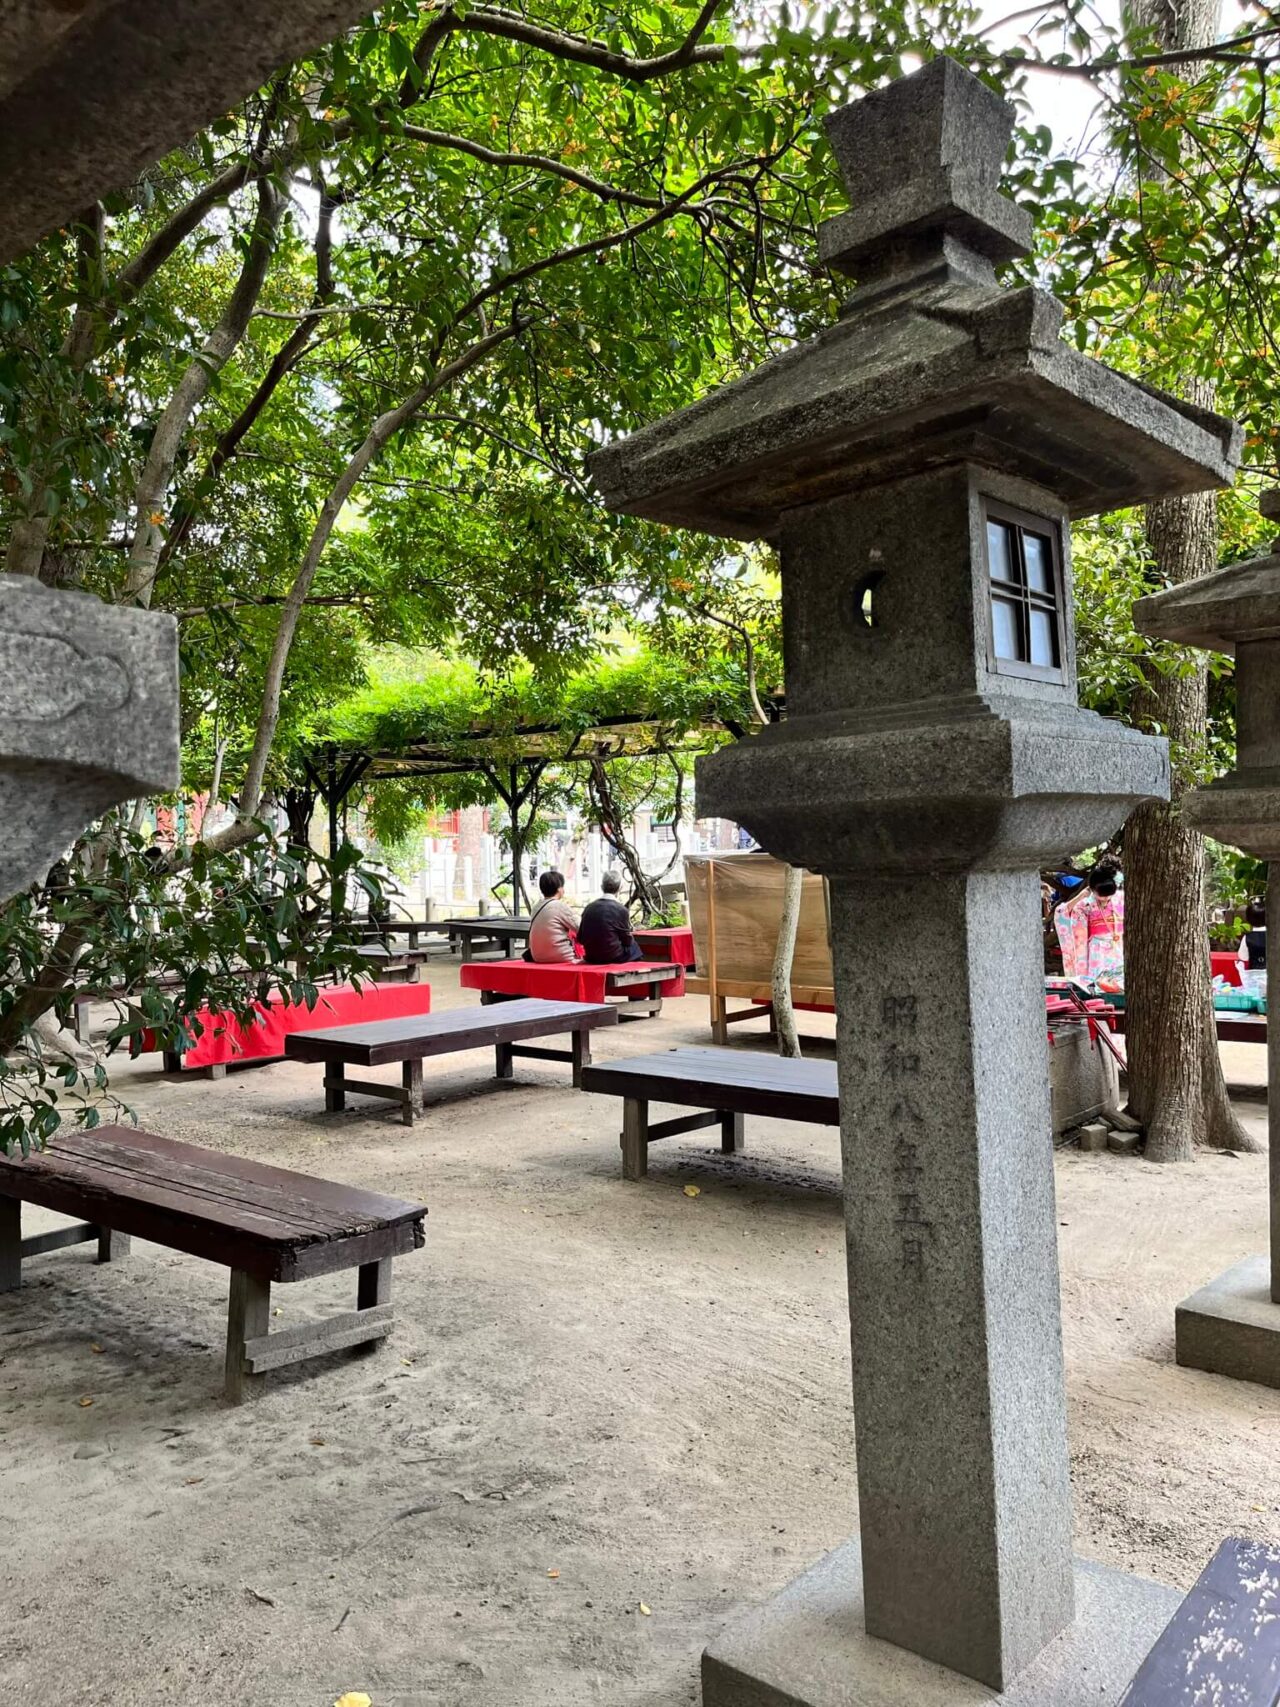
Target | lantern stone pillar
(1232,1325)
(917,465)
(88,718)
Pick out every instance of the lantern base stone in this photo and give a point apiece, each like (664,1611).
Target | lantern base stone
(807,1648)
(1232,1326)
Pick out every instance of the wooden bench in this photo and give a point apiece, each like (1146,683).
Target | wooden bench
(728,1084)
(639,984)
(502,932)
(265,1224)
(393,965)
(409,1041)
(1231,1025)
(1222,1645)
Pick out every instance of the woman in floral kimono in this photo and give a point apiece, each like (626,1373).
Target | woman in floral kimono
(1091,929)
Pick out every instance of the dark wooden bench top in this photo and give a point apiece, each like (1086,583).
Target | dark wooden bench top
(499,925)
(263,1220)
(380,1042)
(735,1080)
(1222,1645)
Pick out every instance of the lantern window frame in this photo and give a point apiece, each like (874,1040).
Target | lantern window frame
(1021,595)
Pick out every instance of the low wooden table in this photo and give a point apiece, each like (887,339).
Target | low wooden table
(412,929)
(393,965)
(265,1224)
(504,932)
(727,1083)
(410,1041)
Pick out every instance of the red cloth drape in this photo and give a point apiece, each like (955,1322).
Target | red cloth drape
(667,942)
(220,1037)
(559,981)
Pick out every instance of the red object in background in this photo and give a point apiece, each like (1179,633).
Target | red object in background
(222,1039)
(1223,965)
(674,942)
(560,981)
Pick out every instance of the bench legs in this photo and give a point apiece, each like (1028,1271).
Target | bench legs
(248,1318)
(10,1244)
(635,1138)
(578,1055)
(411,1087)
(112,1246)
(638,1132)
(408,1093)
(253,1350)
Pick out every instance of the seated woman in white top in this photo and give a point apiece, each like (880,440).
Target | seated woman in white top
(554,925)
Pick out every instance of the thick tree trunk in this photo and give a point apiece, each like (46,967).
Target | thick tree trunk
(1176,1088)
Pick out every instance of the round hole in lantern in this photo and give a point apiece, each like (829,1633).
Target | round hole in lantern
(866,605)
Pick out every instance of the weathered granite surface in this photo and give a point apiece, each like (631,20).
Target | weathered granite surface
(808,1647)
(1232,1325)
(88,718)
(927,772)
(91,91)
(958,1389)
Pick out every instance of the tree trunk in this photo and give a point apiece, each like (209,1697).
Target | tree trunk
(1176,1088)
(784,1015)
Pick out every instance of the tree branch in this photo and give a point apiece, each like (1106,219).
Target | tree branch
(151,494)
(538,162)
(285,359)
(381,432)
(511,26)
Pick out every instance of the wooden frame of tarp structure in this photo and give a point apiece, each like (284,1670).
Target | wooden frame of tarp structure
(513,758)
(735,904)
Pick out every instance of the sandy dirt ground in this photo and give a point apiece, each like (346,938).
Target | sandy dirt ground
(598,1397)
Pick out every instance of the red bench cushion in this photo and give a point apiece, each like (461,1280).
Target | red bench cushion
(560,981)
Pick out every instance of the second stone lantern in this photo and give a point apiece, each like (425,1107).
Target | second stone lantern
(1232,1325)
(917,465)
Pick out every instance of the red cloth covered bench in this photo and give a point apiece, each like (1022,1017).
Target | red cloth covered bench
(641,983)
(667,942)
(220,1038)
(1223,964)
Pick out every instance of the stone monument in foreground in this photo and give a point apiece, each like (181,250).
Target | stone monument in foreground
(88,718)
(917,465)
(1232,1325)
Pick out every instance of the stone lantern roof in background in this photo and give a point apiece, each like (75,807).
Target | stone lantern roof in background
(1236,611)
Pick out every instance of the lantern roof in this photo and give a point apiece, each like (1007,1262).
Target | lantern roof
(1239,603)
(930,363)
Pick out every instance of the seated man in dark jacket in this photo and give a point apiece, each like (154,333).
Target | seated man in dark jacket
(604,929)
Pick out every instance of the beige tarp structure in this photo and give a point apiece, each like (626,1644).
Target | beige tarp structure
(735,903)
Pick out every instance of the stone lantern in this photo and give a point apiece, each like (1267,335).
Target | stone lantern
(1232,1325)
(88,718)
(917,465)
